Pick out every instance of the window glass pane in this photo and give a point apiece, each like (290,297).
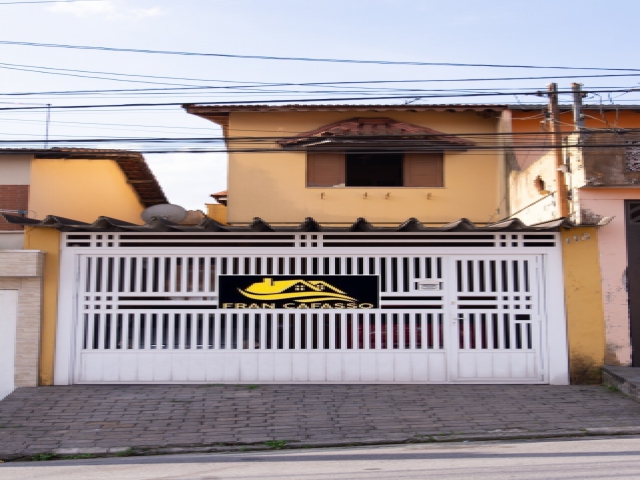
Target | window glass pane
(374,170)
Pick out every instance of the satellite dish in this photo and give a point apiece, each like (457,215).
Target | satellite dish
(166,211)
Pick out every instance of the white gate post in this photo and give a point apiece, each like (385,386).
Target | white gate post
(8,327)
(65,347)
(556,331)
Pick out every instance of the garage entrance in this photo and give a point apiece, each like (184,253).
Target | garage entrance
(162,315)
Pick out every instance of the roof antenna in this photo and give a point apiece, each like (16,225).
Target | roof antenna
(46,134)
(412,100)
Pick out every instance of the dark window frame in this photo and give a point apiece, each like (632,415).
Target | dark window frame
(436,170)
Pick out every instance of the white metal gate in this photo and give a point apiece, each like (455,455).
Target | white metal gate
(153,316)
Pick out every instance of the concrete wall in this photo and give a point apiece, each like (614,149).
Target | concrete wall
(47,240)
(526,199)
(613,263)
(584,303)
(22,270)
(273,185)
(15,176)
(11,240)
(15,169)
(217,211)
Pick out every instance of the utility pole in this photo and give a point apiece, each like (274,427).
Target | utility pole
(556,139)
(578,117)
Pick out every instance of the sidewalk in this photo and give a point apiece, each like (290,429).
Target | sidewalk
(170,418)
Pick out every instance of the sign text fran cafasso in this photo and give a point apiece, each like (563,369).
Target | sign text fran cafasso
(299,291)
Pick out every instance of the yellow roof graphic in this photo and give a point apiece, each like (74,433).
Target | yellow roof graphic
(298,289)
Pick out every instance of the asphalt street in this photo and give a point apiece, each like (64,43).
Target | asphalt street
(604,458)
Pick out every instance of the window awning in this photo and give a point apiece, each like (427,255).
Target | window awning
(381,132)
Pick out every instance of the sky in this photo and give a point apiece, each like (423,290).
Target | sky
(587,33)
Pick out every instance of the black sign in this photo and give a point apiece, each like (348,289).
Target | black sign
(299,291)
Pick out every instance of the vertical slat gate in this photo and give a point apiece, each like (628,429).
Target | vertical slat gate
(165,305)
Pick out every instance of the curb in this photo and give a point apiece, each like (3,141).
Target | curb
(100,452)
(625,379)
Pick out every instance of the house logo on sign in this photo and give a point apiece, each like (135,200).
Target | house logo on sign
(299,292)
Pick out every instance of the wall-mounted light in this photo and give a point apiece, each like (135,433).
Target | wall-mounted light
(428,196)
(365,195)
(322,196)
(386,197)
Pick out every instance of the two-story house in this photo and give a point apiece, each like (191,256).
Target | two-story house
(400,212)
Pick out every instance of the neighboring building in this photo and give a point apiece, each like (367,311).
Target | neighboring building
(218,210)
(75,183)
(603,180)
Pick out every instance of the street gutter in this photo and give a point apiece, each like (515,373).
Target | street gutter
(126,451)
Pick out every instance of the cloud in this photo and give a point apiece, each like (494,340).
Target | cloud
(108,9)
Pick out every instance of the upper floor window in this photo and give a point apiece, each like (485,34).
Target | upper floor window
(375,169)
(356,166)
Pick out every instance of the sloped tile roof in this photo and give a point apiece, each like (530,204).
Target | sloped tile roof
(132,164)
(107,224)
(357,130)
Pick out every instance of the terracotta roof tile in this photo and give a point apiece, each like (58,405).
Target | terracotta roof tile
(355,129)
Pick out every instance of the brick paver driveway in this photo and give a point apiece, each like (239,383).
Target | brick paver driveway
(46,418)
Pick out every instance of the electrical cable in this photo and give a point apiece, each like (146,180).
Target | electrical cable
(31,68)
(305,59)
(49,1)
(305,100)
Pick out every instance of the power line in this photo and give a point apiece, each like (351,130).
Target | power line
(306,59)
(363,90)
(57,71)
(81,124)
(305,100)
(49,1)
(400,139)
(129,75)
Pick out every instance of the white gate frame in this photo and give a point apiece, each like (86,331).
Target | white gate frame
(554,348)
(8,331)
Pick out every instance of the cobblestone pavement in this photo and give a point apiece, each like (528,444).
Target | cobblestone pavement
(46,418)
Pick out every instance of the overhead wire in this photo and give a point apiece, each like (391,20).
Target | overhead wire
(248,84)
(306,59)
(306,100)
(49,1)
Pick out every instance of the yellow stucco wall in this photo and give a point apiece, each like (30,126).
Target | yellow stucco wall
(583,294)
(48,241)
(217,211)
(273,185)
(82,190)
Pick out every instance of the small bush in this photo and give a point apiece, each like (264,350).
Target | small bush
(43,457)
(276,444)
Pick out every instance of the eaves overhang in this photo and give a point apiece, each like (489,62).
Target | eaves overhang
(208,225)
(381,132)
